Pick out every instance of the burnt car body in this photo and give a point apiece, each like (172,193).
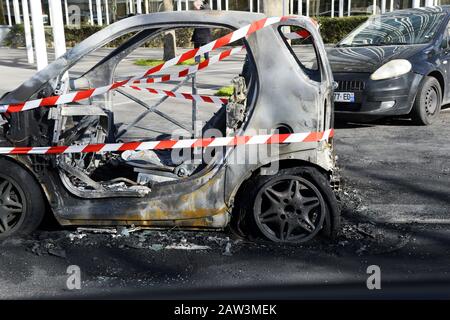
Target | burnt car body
(417,38)
(277,96)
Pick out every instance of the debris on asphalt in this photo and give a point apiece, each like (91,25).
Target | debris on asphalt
(185,245)
(58,252)
(156,247)
(227,251)
(97,230)
(78,236)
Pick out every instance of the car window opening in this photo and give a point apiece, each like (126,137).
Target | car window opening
(301,44)
(136,115)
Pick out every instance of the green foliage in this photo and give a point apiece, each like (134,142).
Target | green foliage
(148,62)
(15,37)
(76,35)
(2,14)
(190,62)
(155,62)
(225,91)
(334,29)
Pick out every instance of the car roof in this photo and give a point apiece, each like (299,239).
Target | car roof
(230,19)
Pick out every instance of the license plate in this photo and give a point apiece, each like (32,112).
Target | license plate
(344,96)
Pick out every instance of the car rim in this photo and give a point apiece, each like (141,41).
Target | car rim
(11,204)
(431,101)
(289,209)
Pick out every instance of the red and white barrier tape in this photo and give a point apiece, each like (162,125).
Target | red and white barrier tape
(300,34)
(86,94)
(185,96)
(191,70)
(176,144)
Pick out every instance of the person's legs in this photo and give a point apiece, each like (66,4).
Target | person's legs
(197,58)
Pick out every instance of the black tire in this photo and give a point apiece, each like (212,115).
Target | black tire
(22,205)
(314,184)
(427,105)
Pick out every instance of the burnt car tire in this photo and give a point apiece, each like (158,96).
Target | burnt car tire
(427,105)
(293,206)
(22,204)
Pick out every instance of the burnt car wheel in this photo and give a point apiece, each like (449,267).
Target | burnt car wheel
(21,201)
(293,206)
(427,104)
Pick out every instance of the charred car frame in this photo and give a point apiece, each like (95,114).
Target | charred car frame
(274,92)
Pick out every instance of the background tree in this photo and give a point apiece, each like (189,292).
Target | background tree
(114,10)
(170,46)
(2,13)
(273,8)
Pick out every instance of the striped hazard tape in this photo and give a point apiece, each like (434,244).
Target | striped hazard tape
(175,144)
(191,70)
(300,34)
(86,94)
(184,96)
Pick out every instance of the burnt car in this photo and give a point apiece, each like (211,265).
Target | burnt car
(394,64)
(285,195)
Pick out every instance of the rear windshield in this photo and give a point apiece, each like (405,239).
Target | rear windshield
(397,29)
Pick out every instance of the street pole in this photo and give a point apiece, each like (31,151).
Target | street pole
(211,4)
(349,8)
(341,8)
(27,28)
(16,9)
(179,6)
(187,5)
(332,8)
(300,7)
(383,6)
(38,34)
(59,38)
(50,20)
(91,15)
(219,5)
(99,12)
(147,11)
(307,8)
(139,6)
(131,7)
(251,5)
(374,7)
(285,7)
(8,10)
(391,6)
(107,12)
(66,10)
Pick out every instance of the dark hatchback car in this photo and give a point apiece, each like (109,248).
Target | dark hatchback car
(394,64)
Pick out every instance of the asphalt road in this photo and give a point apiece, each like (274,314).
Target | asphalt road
(396,206)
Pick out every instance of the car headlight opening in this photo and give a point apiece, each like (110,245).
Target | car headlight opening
(392,69)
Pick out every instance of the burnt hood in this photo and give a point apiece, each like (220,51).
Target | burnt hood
(368,59)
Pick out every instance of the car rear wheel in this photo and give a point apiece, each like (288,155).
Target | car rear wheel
(427,105)
(293,206)
(21,201)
